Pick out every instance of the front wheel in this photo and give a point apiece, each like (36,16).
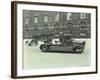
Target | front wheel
(78,49)
(44,48)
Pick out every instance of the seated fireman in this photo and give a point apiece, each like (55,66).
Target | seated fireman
(65,39)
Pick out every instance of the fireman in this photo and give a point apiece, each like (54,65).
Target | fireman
(61,36)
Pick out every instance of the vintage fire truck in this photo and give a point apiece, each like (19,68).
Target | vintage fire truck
(64,43)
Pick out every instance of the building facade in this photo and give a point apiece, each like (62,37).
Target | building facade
(36,23)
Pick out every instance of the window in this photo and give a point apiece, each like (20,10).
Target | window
(57,17)
(82,16)
(45,18)
(26,13)
(26,21)
(82,34)
(69,16)
(35,19)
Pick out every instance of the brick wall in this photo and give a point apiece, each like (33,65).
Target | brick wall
(78,25)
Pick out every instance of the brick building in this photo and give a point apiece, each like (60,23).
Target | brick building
(36,23)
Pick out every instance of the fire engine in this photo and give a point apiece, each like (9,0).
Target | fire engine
(64,43)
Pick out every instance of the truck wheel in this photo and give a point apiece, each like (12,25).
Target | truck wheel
(44,48)
(78,49)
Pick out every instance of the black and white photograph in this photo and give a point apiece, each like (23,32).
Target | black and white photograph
(56,35)
(54,39)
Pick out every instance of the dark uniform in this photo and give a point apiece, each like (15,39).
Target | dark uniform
(65,39)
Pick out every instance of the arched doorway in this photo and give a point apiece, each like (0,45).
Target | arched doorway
(84,29)
(82,23)
(46,26)
(69,24)
(69,27)
(35,27)
(56,27)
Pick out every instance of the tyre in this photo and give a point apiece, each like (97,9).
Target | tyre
(44,48)
(78,49)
